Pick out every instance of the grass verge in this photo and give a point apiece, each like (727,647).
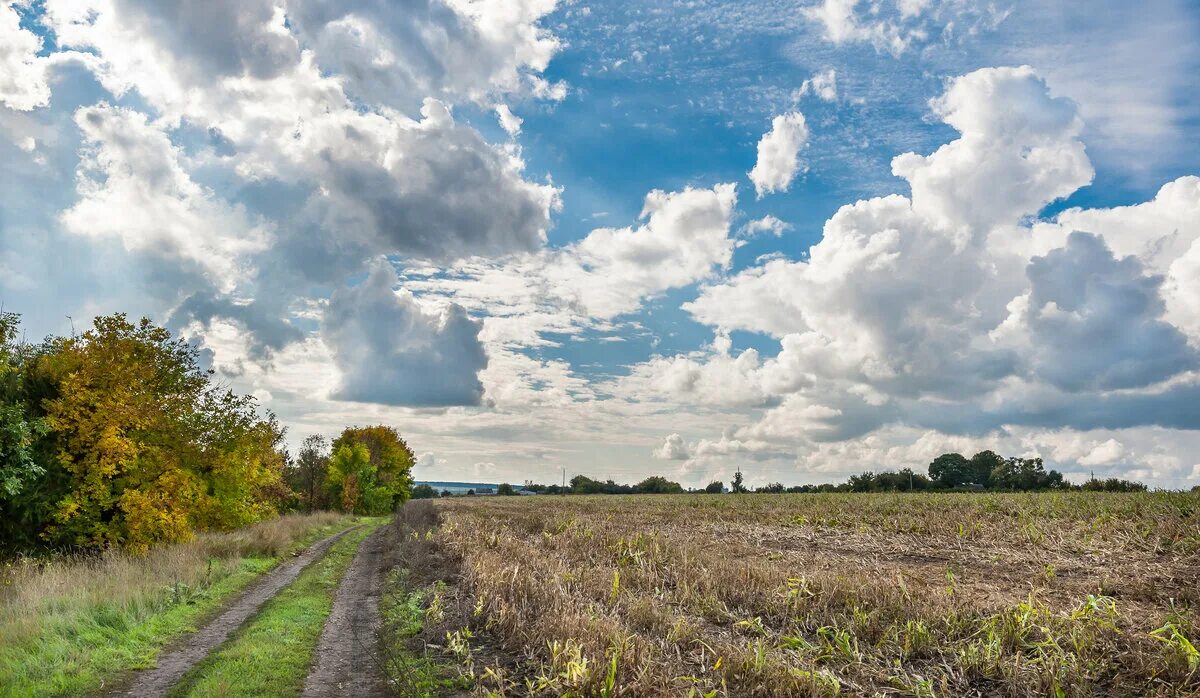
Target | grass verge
(271,656)
(71,625)
(406,611)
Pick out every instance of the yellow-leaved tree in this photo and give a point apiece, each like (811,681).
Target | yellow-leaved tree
(149,448)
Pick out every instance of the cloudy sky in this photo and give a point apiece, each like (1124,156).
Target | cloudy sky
(801,237)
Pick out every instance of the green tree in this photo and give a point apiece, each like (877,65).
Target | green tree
(18,429)
(424,492)
(739,485)
(657,484)
(306,476)
(983,464)
(715,487)
(952,470)
(390,457)
(505,490)
(1025,474)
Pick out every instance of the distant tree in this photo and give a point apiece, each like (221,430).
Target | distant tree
(773,488)
(739,485)
(470,493)
(1113,484)
(1025,474)
(983,464)
(715,487)
(656,484)
(505,490)
(424,492)
(951,470)
(447,493)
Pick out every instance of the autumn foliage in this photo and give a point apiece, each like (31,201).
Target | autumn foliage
(118,438)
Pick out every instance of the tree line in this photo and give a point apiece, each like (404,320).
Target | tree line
(117,437)
(984,471)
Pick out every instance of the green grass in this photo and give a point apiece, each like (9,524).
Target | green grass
(404,610)
(75,638)
(272,655)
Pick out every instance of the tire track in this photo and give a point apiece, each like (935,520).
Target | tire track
(348,652)
(172,665)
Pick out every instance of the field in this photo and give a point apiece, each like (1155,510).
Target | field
(713,595)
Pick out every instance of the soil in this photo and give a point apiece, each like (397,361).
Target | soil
(173,664)
(347,656)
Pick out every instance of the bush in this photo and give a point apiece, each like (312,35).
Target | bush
(715,487)
(424,492)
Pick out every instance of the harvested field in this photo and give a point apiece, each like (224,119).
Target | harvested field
(853,594)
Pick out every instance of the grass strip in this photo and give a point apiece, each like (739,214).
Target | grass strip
(271,656)
(83,646)
(405,610)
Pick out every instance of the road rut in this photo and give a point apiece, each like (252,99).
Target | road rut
(348,654)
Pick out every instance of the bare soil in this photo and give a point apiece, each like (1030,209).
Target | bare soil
(348,653)
(191,650)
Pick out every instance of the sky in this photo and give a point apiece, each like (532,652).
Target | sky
(802,239)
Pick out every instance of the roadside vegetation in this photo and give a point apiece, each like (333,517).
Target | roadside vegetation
(118,438)
(70,623)
(1060,594)
(271,656)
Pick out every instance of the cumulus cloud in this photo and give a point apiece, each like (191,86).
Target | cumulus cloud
(673,448)
(779,154)
(133,188)
(23,84)
(393,351)
(949,310)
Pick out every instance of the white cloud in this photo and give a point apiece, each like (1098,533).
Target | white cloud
(132,187)
(948,310)
(778,154)
(842,24)
(673,448)
(766,224)
(510,122)
(23,84)
(393,351)
(822,84)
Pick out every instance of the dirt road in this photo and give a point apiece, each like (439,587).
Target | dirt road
(173,664)
(347,656)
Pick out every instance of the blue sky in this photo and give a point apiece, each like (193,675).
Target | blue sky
(324,197)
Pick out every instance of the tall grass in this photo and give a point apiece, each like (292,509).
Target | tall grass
(68,622)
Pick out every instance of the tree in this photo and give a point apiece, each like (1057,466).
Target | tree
(470,493)
(738,483)
(772,488)
(715,487)
(983,464)
(306,476)
(505,490)
(951,470)
(424,492)
(1113,484)
(656,484)
(141,447)
(390,457)
(1025,474)
(447,493)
